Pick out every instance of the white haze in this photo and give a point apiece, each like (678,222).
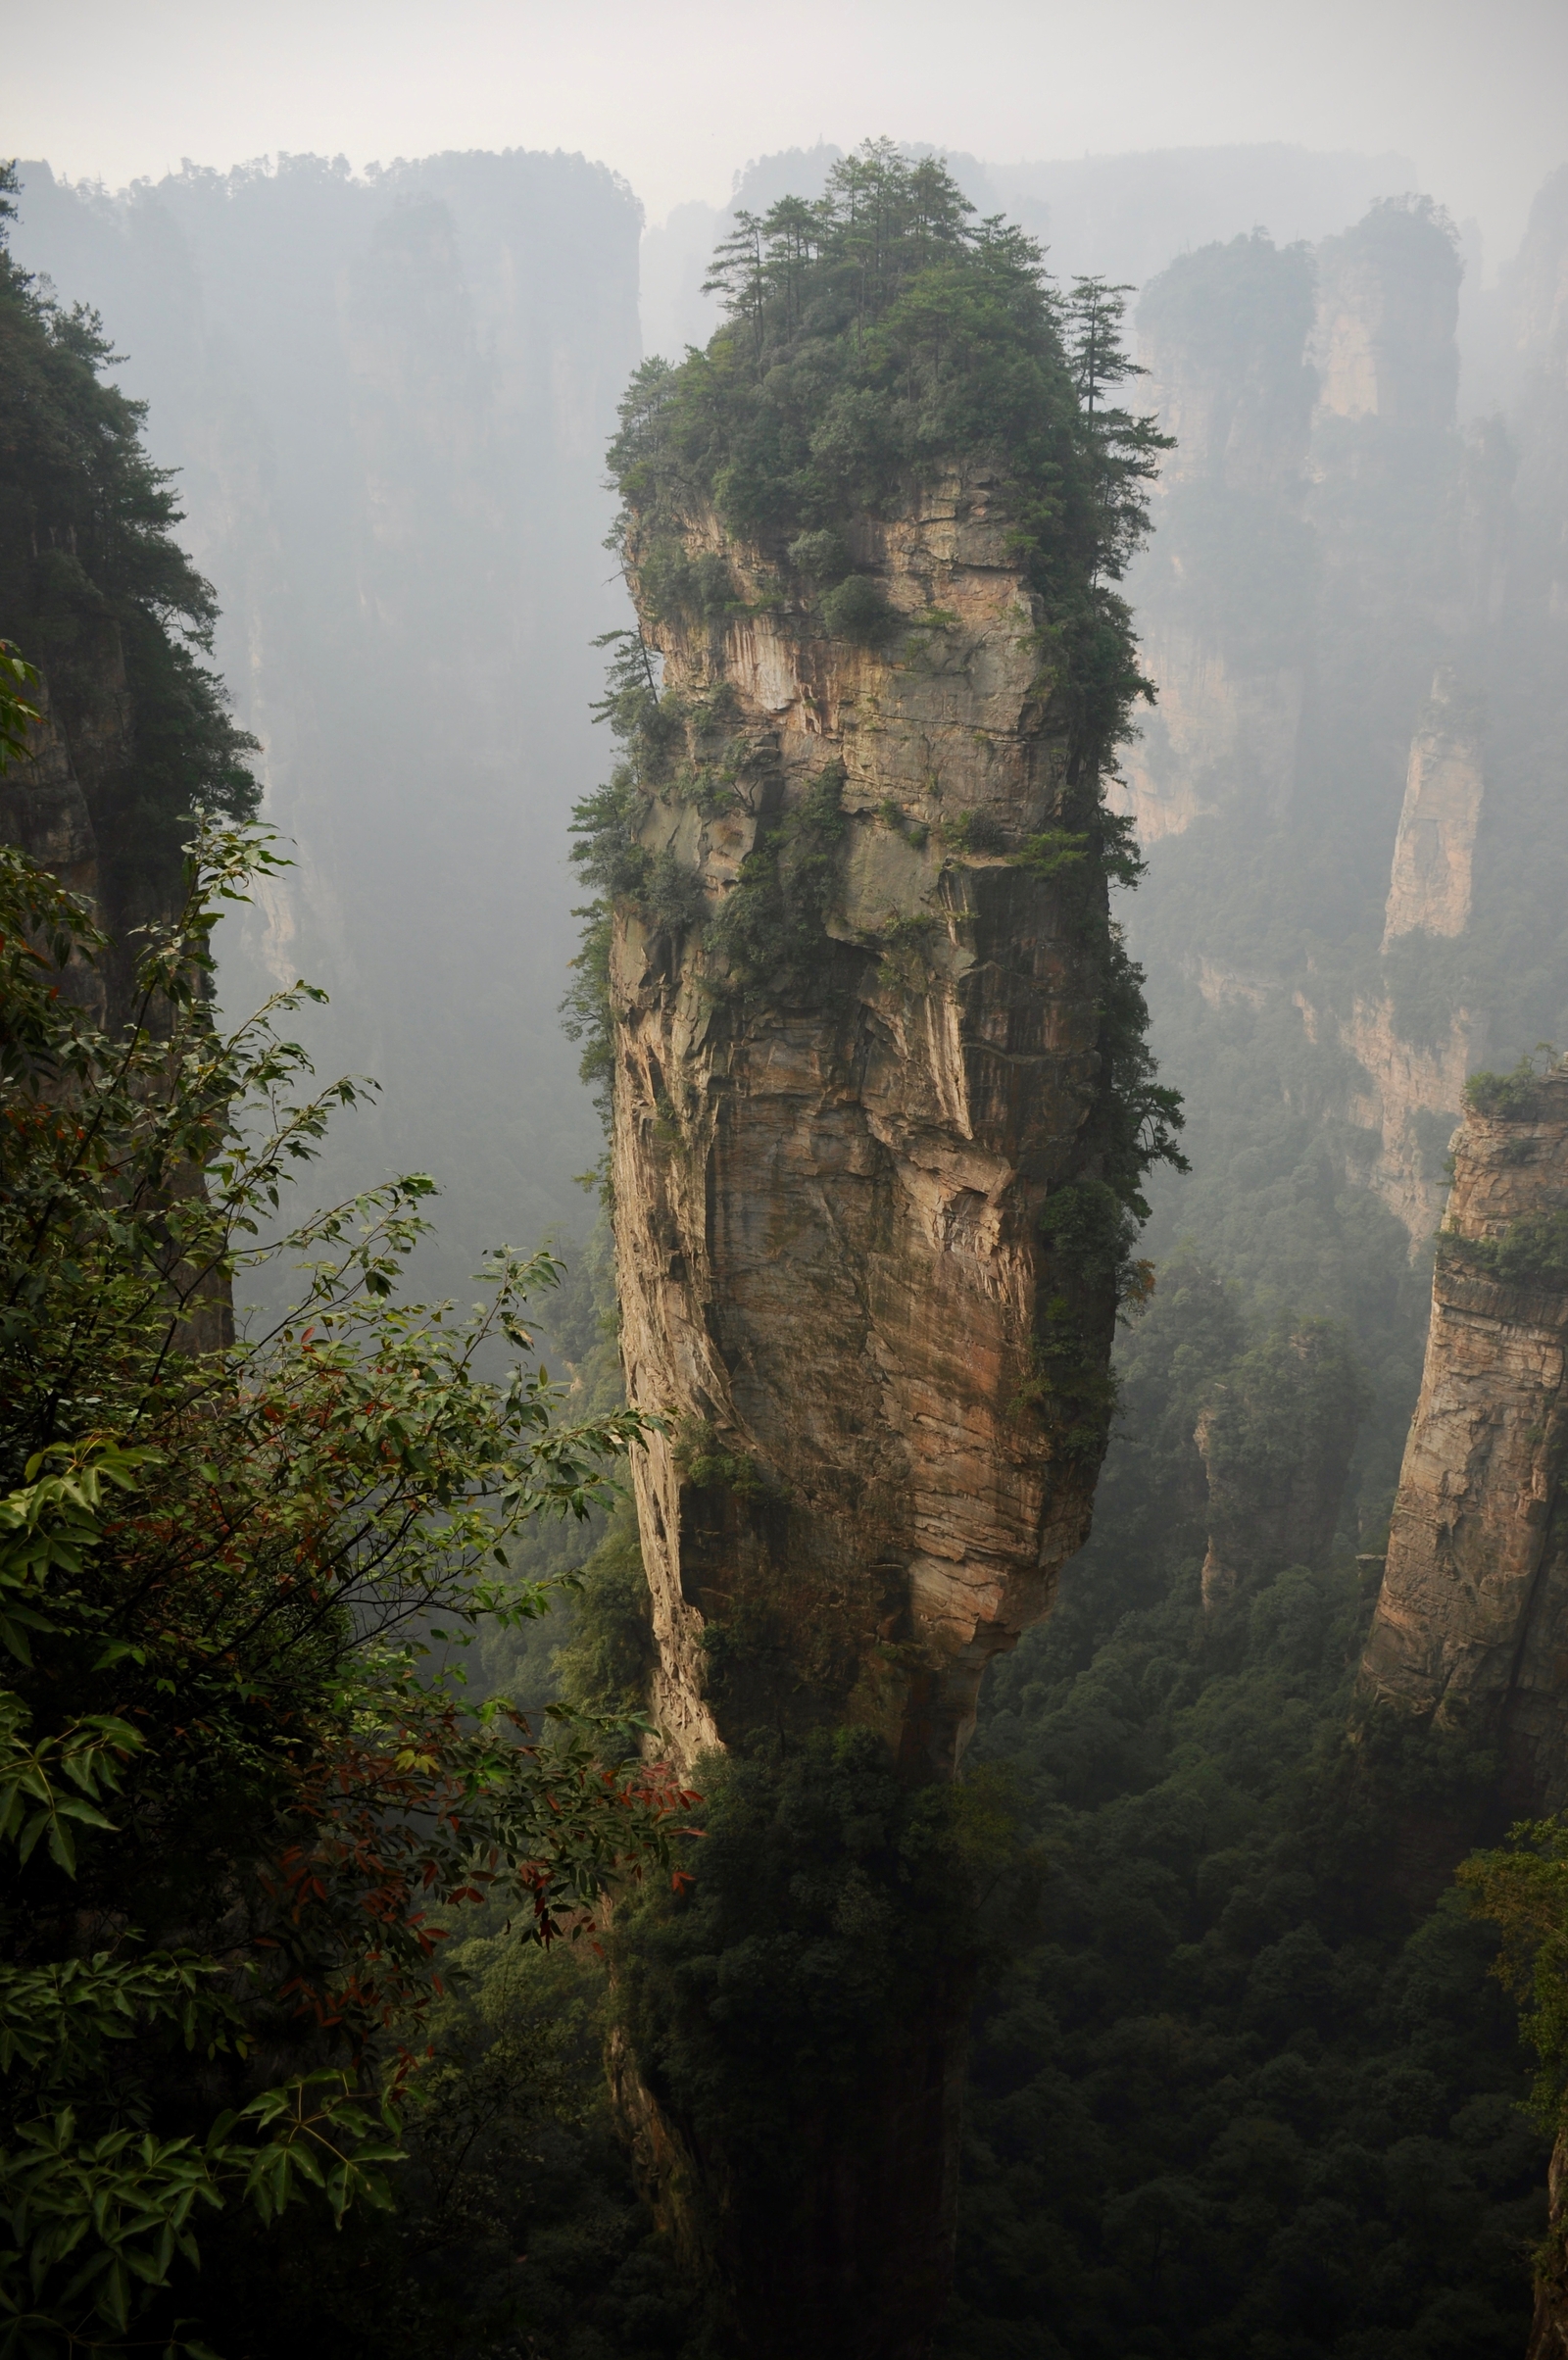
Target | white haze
(387,397)
(677,94)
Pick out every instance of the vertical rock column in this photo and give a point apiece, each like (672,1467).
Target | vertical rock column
(831,1161)
(866,1262)
(1472,1618)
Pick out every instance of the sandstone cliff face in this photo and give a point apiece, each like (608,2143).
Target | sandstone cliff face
(1220,730)
(79,758)
(832,1279)
(42,808)
(1324,546)
(1430,887)
(1405,1108)
(1472,1618)
(1408,1097)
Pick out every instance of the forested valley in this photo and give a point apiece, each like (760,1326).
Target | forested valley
(937,1729)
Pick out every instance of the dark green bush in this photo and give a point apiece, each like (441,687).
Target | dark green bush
(1511,1097)
(1532,1251)
(822,556)
(857,610)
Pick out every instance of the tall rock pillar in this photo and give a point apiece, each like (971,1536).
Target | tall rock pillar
(880,1106)
(1472,1618)
(864,1007)
(858,1054)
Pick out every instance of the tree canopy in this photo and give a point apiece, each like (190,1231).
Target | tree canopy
(872,339)
(92,578)
(242,1798)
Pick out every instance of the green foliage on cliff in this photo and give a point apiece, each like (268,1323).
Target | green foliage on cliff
(91,576)
(1532,1251)
(1251,2092)
(1521,1888)
(1514,1096)
(605,1661)
(874,339)
(771,926)
(762,1996)
(19,679)
(518,2229)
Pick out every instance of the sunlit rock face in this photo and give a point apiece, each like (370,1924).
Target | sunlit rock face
(1472,1620)
(829,1188)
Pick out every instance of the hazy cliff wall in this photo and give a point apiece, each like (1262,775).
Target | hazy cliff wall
(1352,787)
(388,399)
(828,1199)
(1472,1617)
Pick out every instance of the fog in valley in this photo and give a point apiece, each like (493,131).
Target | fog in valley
(387,388)
(1240,2076)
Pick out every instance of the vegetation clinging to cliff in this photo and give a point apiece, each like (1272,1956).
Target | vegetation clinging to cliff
(871,339)
(87,556)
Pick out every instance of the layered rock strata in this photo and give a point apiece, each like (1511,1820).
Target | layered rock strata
(829,1178)
(1405,1104)
(1472,1618)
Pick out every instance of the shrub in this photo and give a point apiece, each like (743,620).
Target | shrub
(857,610)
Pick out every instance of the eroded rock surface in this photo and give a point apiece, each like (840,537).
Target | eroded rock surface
(1472,1618)
(829,1179)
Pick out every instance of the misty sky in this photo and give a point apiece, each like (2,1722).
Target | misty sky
(677,94)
